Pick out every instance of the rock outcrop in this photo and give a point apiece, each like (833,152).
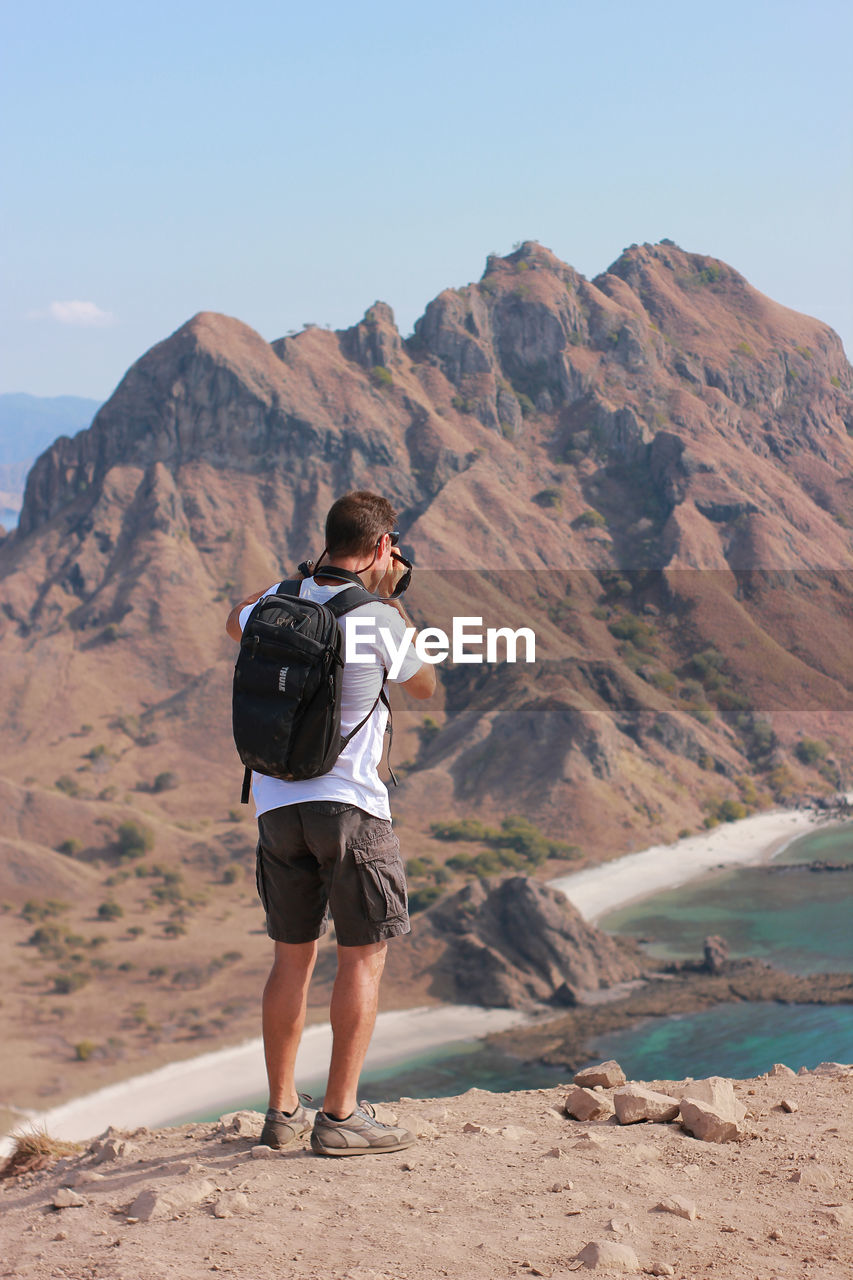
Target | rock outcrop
(515,942)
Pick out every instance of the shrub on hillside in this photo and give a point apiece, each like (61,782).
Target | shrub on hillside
(134,840)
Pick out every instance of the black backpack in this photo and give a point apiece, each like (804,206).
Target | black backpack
(286,704)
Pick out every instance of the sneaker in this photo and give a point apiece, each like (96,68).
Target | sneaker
(281,1129)
(361,1134)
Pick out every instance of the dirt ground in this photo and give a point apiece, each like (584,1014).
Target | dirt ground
(498,1185)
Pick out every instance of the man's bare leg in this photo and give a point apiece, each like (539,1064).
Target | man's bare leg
(355,998)
(284,1004)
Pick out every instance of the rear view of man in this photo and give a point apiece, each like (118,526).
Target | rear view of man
(328,842)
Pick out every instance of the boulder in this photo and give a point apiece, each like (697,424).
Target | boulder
(583,1104)
(608,1255)
(607,1074)
(633,1103)
(711,1112)
(716,951)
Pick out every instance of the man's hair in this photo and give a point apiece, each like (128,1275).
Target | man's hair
(357,521)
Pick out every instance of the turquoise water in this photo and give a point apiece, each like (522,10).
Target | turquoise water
(739,1040)
(797,919)
(834,844)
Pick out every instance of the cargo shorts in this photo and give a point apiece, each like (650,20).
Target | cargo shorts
(324,856)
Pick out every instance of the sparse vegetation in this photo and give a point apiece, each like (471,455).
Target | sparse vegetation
(381,376)
(134,840)
(590,519)
(66,983)
(33,910)
(110,911)
(636,630)
(420,899)
(165,781)
(36,1150)
(517,841)
(811,751)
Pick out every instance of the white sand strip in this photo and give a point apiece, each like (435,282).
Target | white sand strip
(220,1080)
(601,889)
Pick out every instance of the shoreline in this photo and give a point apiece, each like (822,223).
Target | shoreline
(214,1080)
(598,890)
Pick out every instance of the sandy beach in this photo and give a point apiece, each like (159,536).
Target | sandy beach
(216,1081)
(601,889)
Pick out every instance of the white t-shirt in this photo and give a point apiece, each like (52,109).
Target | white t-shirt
(354,777)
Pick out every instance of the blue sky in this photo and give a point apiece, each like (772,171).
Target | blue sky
(287,163)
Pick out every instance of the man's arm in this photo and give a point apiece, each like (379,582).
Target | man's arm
(423,683)
(232,626)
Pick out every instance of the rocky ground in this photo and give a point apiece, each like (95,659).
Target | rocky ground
(497,1185)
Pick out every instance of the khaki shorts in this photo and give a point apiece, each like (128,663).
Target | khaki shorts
(321,856)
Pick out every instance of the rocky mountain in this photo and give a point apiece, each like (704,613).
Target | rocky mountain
(28,424)
(654,467)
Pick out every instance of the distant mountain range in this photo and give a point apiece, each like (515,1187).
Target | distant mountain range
(28,424)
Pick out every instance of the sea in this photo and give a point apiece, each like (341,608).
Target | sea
(799,919)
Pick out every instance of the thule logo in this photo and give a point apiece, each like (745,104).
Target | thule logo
(282,679)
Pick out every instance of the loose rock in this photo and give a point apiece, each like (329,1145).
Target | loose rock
(607,1074)
(633,1103)
(621,1226)
(608,1255)
(230,1204)
(787,1104)
(241,1124)
(660,1269)
(678,1205)
(816,1177)
(154,1203)
(583,1104)
(779,1069)
(711,1112)
(65,1198)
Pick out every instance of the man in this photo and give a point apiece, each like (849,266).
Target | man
(329,841)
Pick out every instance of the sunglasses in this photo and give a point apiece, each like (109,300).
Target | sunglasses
(394,535)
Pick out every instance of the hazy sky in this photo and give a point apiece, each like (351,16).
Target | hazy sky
(286,163)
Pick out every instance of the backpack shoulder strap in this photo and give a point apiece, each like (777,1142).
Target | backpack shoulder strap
(350,598)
